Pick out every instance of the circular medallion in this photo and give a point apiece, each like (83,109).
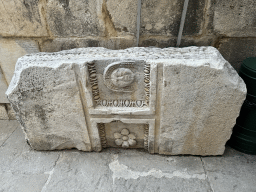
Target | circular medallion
(119,76)
(122,77)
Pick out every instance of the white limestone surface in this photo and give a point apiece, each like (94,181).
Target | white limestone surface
(172,100)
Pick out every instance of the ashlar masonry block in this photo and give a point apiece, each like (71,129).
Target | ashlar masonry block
(168,101)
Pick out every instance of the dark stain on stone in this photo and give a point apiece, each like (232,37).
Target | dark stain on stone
(58,25)
(93,43)
(68,45)
(158,43)
(194,17)
(31,11)
(41,114)
(125,29)
(107,18)
(65,3)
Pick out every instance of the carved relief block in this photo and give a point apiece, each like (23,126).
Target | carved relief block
(169,101)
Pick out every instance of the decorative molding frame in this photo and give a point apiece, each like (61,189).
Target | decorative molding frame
(111,68)
(94,81)
(146,134)
(103,140)
(143,107)
(147,81)
(149,130)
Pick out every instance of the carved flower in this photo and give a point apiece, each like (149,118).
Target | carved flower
(125,138)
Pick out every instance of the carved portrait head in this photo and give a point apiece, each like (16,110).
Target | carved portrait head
(122,77)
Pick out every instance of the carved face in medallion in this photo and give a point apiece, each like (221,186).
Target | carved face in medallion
(122,77)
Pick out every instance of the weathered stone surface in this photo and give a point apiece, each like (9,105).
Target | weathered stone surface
(10,112)
(74,18)
(161,42)
(91,18)
(236,50)
(11,50)
(22,18)
(198,104)
(169,101)
(234,18)
(123,15)
(3,112)
(46,123)
(60,44)
(3,87)
(201,41)
(162,17)
(164,42)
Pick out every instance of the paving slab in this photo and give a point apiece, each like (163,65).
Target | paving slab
(23,169)
(234,171)
(6,129)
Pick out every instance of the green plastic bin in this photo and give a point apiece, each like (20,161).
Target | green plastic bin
(244,133)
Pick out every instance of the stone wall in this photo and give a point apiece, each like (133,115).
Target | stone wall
(29,26)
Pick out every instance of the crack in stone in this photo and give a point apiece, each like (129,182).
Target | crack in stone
(207,178)
(122,171)
(50,175)
(9,136)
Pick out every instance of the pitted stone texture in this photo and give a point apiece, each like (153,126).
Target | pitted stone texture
(200,106)
(48,105)
(197,100)
(22,18)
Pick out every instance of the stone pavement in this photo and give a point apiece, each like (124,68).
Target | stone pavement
(23,169)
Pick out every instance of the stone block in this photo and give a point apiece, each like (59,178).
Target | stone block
(75,18)
(22,18)
(81,18)
(3,88)
(3,112)
(60,44)
(123,15)
(161,42)
(11,50)
(235,50)
(234,18)
(162,17)
(169,101)
(198,41)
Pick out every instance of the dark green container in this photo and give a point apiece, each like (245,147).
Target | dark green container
(244,133)
(248,74)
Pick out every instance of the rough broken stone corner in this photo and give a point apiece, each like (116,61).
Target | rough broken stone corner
(169,101)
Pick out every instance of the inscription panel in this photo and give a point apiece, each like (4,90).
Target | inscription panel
(120,84)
